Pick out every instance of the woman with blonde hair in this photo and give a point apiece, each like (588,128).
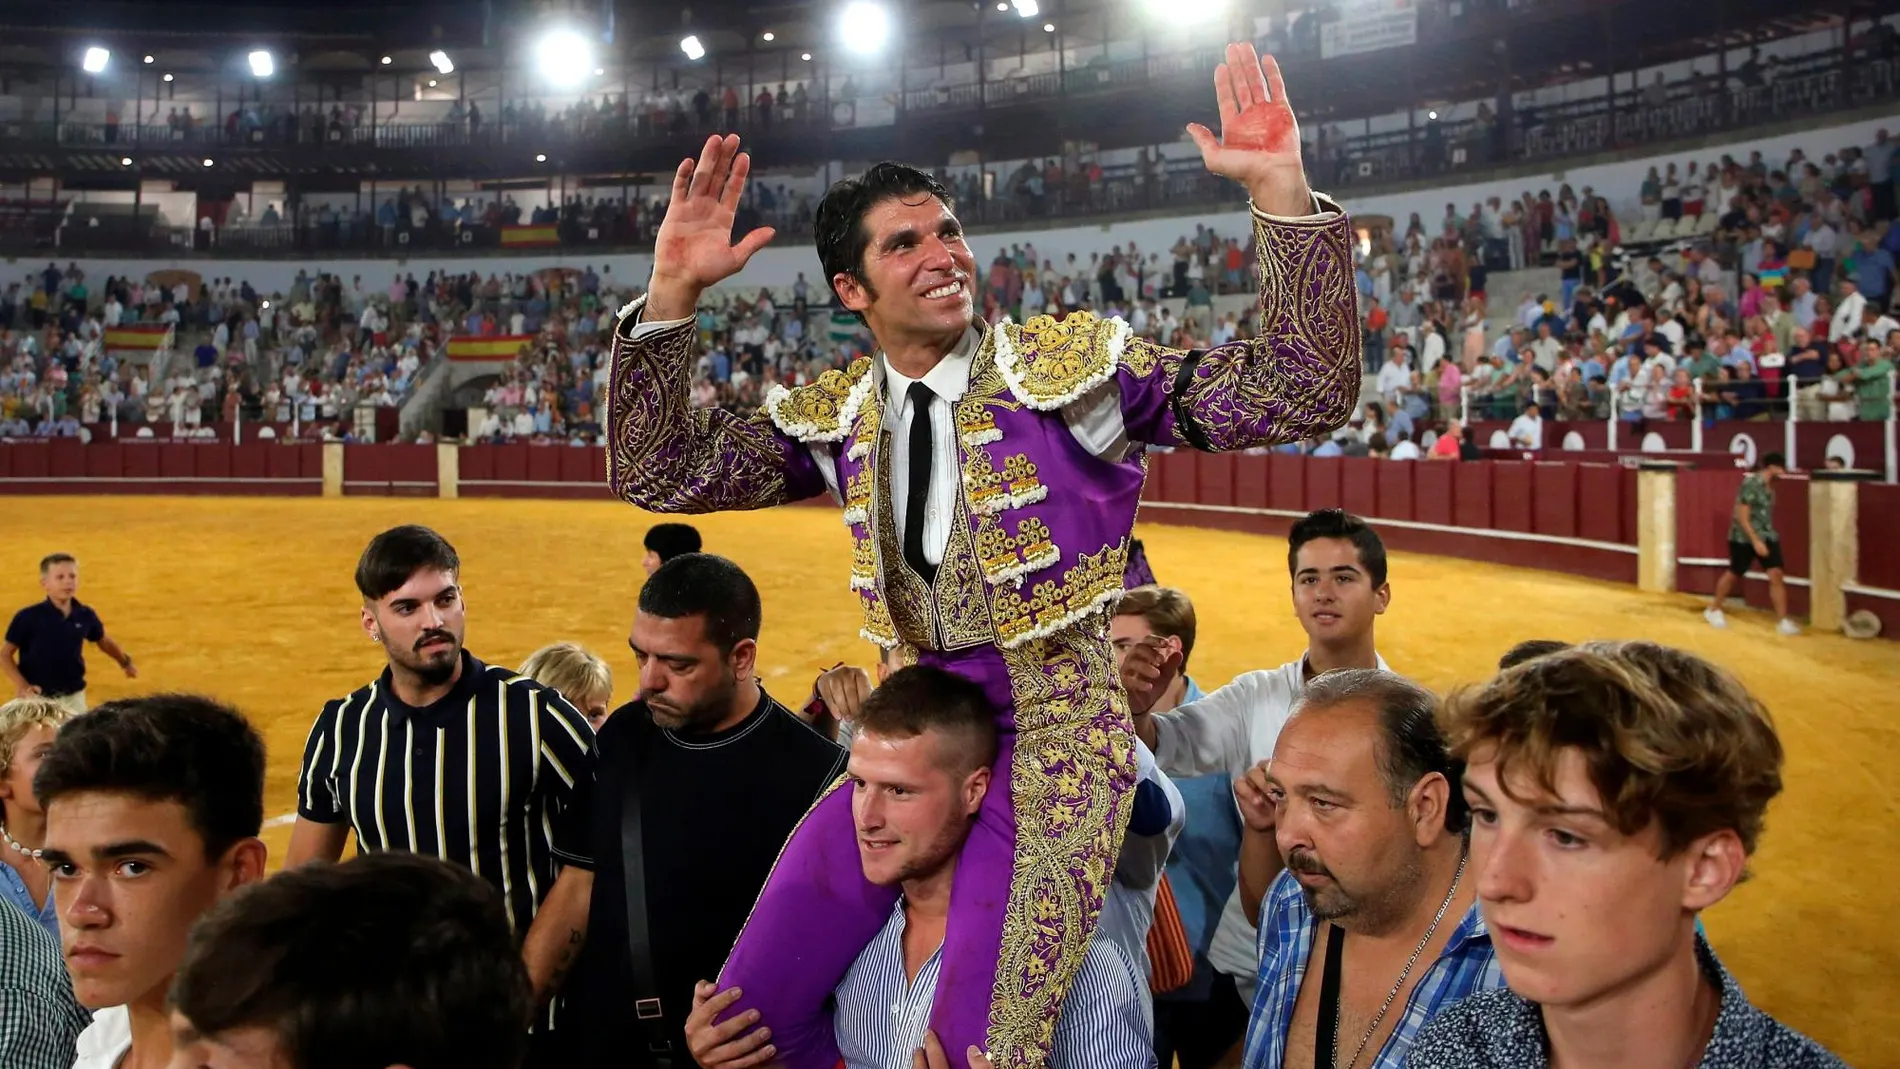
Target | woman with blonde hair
(577,675)
(27,727)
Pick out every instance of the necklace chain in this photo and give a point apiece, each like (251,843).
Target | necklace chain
(1392,995)
(15,843)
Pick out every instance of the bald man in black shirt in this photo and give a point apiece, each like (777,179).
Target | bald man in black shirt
(700,782)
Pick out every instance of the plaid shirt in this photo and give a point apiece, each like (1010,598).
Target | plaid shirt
(40,1021)
(1501,1030)
(1287,929)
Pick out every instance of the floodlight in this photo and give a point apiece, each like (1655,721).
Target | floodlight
(125,161)
(168,76)
(440,60)
(432,83)
(1002,5)
(207,163)
(691,46)
(806,56)
(1048,27)
(1186,10)
(768,36)
(95,60)
(262,65)
(540,157)
(1028,9)
(864,26)
(148,59)
(1432,115)
(565,57)
(387,60)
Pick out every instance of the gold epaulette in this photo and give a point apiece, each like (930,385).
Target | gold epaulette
(1049,363)
(825,410)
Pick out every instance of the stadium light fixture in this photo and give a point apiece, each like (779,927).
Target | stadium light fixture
(387,60)
(540,157)
(432,83)
(1048,27)
(441,62)
(564,56)
(262,65)
(94,61)
(168,76)
(125,161)
(1186,10)
(865,26)
(768,36)
(207,162)
(691,46)
(806,56)
(149,59)
(1028,9)
(1002,5)
(1432,115)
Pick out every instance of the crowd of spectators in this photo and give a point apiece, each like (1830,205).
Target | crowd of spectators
(1769,285)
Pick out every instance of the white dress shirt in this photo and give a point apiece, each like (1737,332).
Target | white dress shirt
(106,1040)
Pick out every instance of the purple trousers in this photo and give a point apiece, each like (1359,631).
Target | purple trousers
(818,912)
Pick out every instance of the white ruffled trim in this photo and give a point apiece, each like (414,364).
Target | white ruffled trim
(983,437)
(1003,502)
(1014,573)
(1096,604)
(856,514)
(863,582)
(810,432)
(629,308)
(859,450)
(1010,364)
(877,640)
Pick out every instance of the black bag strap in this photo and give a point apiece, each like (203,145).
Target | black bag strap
(1326,1042)
(647,1009)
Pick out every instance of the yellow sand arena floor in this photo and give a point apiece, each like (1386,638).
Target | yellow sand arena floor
(251,600)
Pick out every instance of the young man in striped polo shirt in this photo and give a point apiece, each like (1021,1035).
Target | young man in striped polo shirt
(448,756)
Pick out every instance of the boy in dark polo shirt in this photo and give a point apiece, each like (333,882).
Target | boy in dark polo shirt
(50,640)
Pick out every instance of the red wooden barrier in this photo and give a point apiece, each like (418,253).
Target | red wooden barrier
(1471,492)
(1251,473)
(1178,474)
(1358,486)
(1432,498)
(1395,489)
(105,461)
(66,459)
(1879,526)
(1216,479)
(1511,496)
(1323,483)
(1286,488)
(1599,503)
(1554,503)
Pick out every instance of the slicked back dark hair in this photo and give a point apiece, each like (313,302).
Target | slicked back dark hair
(1338,523)
(838,227)
(703,584)
(165,748)
(671,540)
(386,959)
(398,553)
(1411,746)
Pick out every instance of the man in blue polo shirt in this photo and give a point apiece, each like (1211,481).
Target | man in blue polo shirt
(49,640)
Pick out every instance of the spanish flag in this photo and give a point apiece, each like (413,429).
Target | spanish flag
(495,347)
(518,236)
(139,338)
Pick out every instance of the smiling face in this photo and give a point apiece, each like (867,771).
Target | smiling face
(420,624)
(1333,593)
(1579,911)
(130,876)
(918,275)
(910,804)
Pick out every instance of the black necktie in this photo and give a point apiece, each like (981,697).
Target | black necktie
(918,498)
